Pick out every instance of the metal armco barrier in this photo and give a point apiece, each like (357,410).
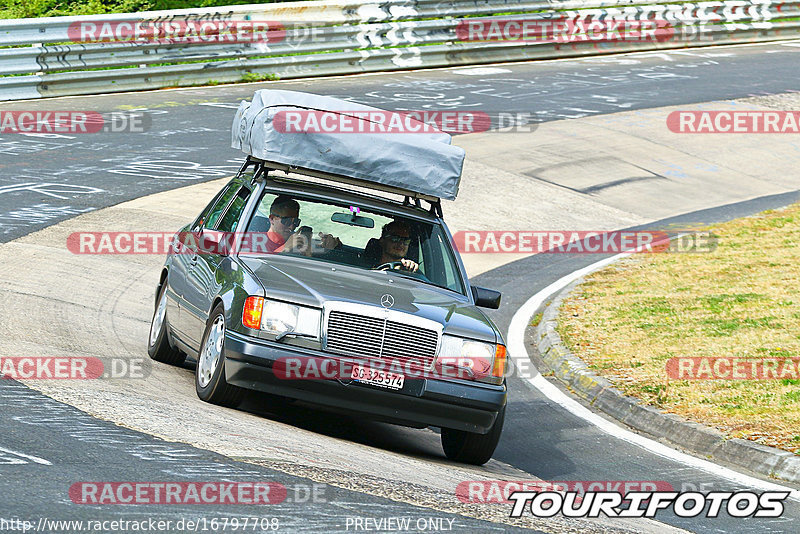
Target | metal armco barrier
(50,57)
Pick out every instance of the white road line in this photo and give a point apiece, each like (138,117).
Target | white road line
(31,458)
(14,187)
(516,344)
(220,105)
(479,71)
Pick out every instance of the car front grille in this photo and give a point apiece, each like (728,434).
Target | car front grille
(374,337)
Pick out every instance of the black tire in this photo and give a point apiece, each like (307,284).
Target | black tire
(158,346)
(216,389)
(471,448)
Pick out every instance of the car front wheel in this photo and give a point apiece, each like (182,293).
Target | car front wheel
(209,379)
(472,448)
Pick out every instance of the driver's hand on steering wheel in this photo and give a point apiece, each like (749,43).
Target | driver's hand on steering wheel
(409,265)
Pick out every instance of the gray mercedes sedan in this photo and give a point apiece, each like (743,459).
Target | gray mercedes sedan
(338,297)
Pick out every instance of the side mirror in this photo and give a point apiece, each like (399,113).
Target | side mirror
(486,298)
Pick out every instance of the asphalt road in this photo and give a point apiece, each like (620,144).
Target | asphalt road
(72,448)
(48,179)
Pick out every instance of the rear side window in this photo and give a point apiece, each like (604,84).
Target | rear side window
(200,221)
(219,206)
(231,218)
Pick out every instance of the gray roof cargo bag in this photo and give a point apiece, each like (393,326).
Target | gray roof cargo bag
(421,163)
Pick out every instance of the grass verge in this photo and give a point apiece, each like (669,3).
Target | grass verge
(741,300)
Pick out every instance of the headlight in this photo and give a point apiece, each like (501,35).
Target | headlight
(279,317)
(486,361)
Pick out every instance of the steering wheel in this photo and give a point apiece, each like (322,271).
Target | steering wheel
(389,265)
(393,264)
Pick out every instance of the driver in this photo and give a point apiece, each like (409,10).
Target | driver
(394,242)
(281,237)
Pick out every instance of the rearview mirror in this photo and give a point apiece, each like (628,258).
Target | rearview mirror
(353,220)
(486,298)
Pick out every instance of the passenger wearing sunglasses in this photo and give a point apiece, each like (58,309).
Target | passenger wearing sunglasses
(394,242)
(284,218)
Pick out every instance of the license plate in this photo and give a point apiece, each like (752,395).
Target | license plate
(376,377)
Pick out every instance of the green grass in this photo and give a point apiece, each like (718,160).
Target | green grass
(739,301)
(260,77)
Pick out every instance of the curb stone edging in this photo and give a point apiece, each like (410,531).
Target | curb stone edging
(701,440)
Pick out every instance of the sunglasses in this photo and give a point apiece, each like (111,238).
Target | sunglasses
(399,239)
(288,221)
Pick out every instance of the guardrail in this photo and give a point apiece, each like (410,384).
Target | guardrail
(93,54)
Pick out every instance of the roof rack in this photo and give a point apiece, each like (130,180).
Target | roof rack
(262,168)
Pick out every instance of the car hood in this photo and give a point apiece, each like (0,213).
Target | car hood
(312,283)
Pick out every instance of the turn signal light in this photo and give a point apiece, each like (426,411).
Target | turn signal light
(499,368)
(251,317)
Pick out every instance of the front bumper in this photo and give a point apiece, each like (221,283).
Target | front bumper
(472,407)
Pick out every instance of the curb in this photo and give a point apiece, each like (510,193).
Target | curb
(553,355)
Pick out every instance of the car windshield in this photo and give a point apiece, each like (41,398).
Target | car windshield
(355,236)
